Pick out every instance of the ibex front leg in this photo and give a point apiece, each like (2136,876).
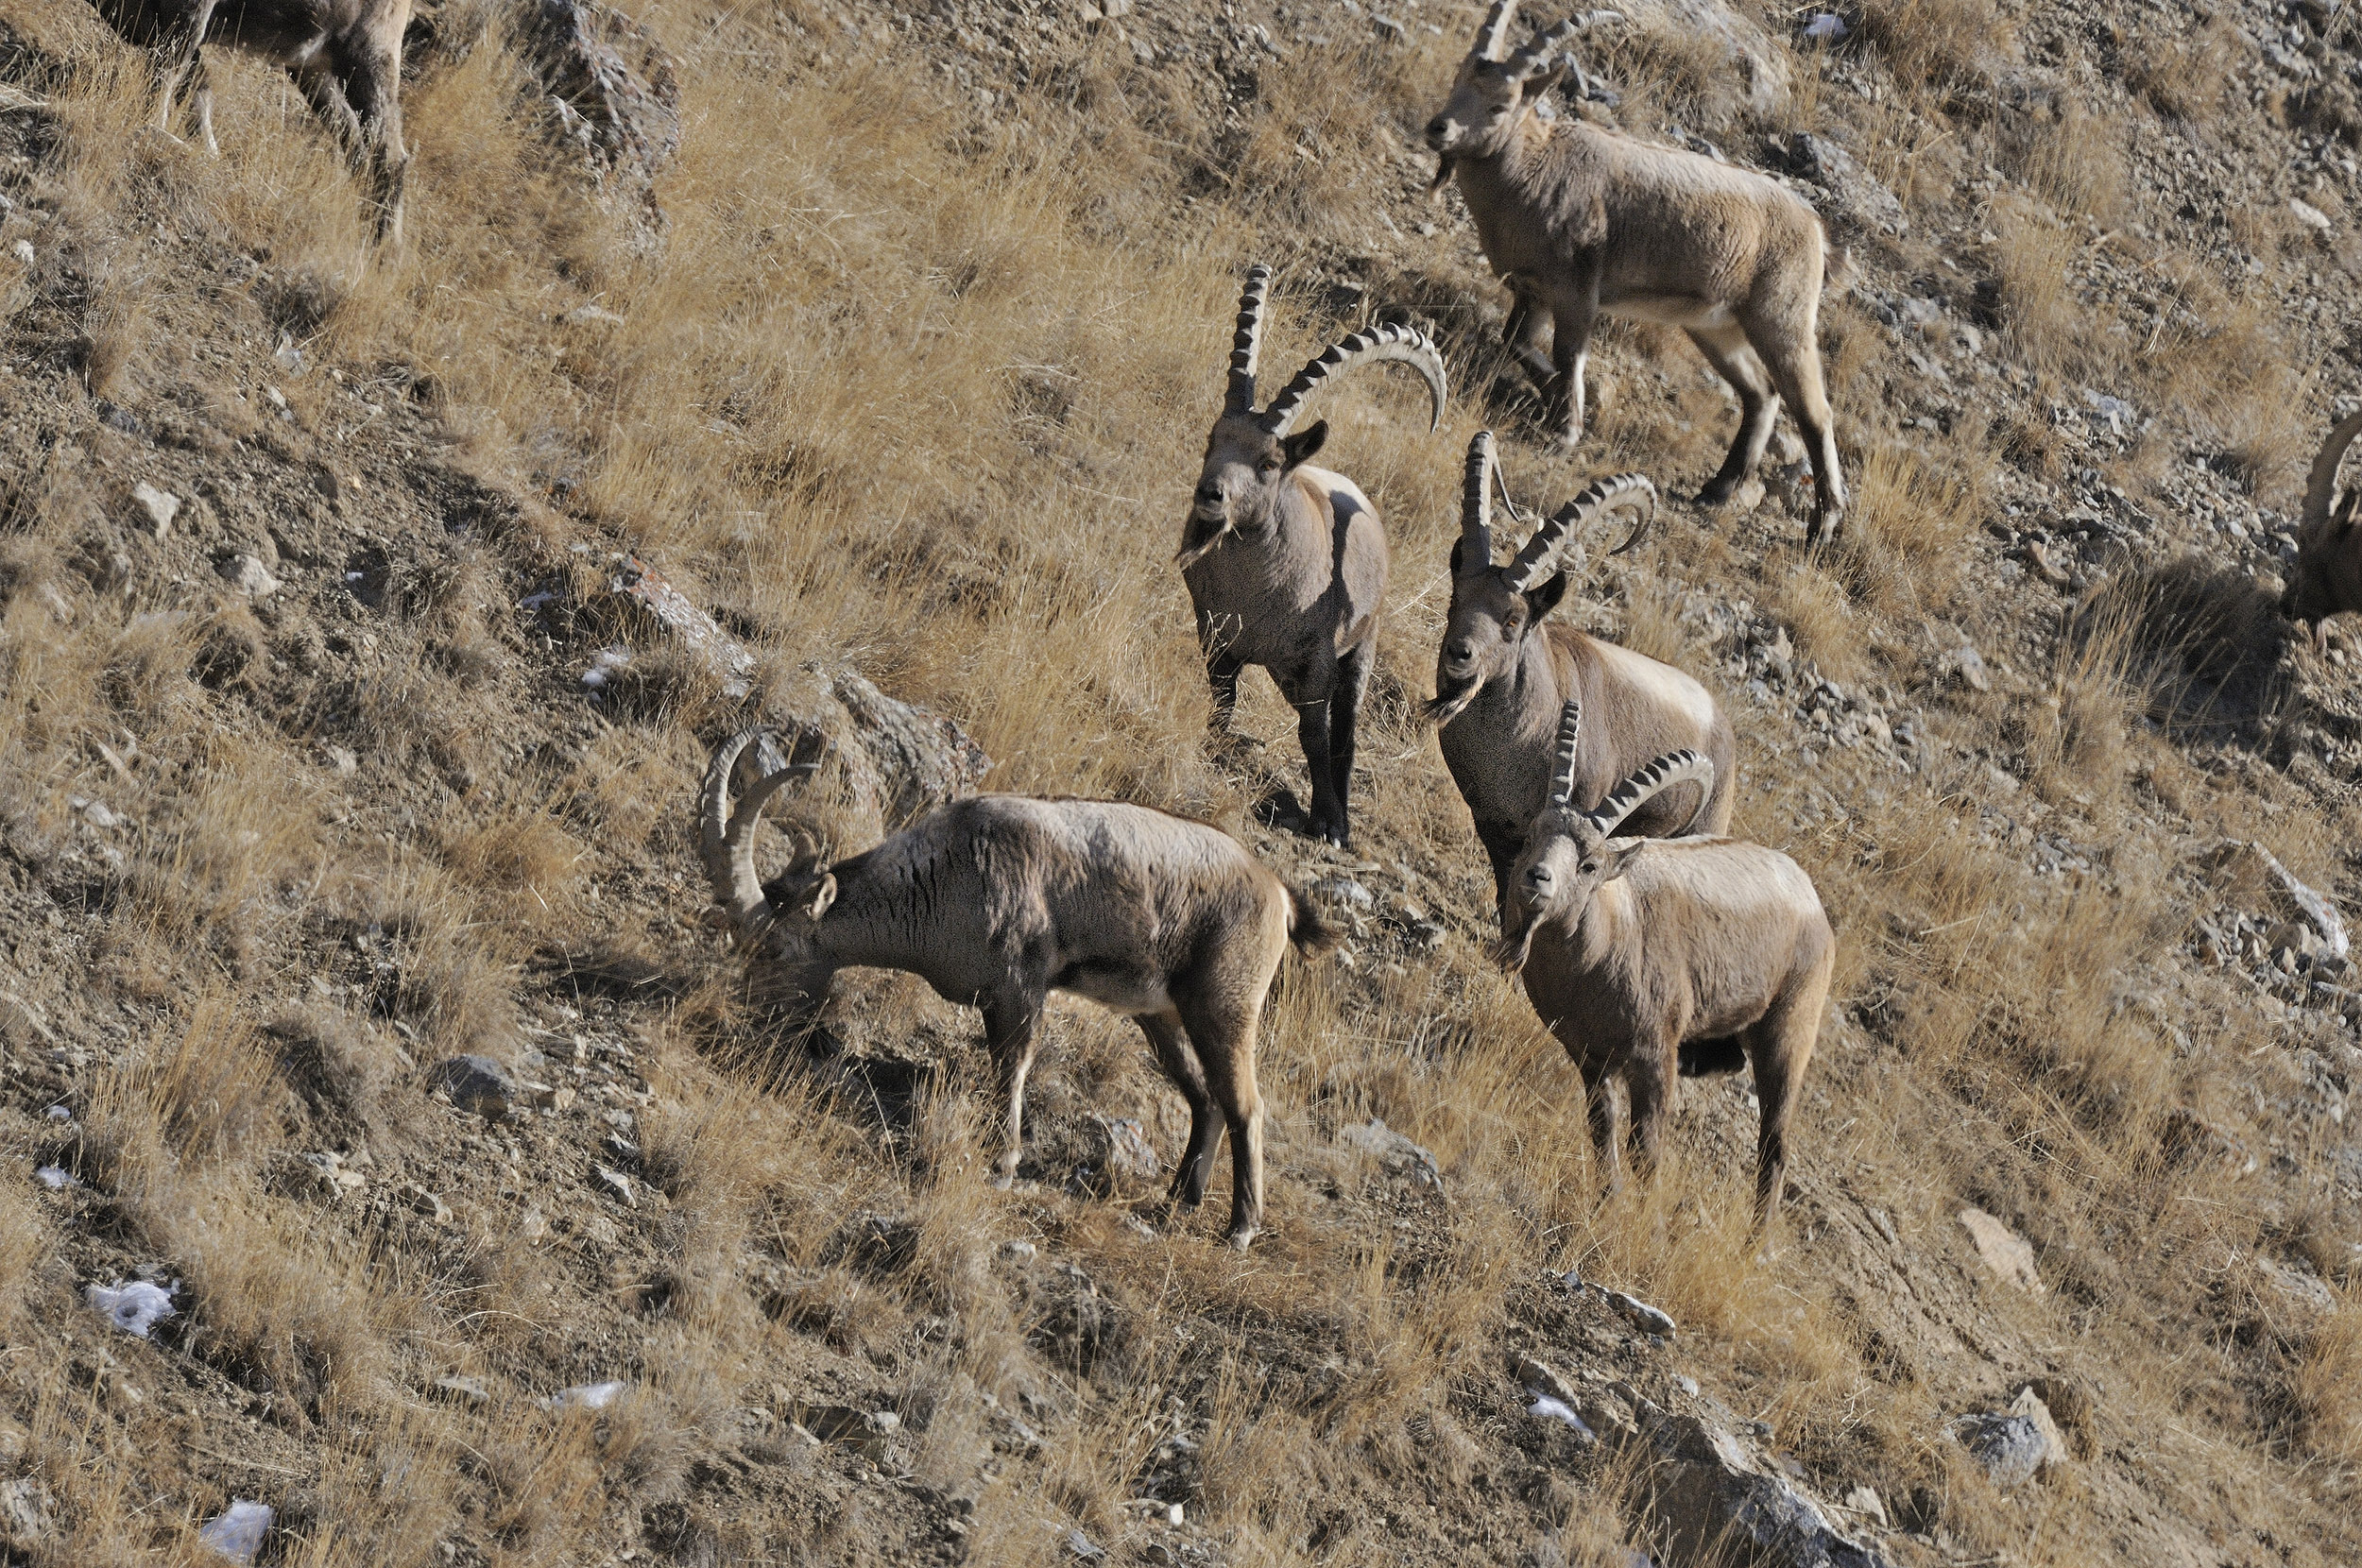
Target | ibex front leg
(1012,1024)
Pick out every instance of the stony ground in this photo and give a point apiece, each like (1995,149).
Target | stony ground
(357,995)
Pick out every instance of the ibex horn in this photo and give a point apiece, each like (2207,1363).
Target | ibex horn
(1563,759)
(1476,506)
(1495,29)
(1537,54)
(1372,346)
(1246,345)
(1546,550)
(2320,490)
(725,837)
(1675,767)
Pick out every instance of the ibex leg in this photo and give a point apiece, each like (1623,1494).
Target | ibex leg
(1012,1023)
(1179,1060)
(1726,349)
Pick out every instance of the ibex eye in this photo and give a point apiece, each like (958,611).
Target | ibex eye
(1590,865)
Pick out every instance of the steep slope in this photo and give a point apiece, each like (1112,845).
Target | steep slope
(306,797)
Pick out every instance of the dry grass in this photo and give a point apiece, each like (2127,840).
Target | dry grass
(921,389)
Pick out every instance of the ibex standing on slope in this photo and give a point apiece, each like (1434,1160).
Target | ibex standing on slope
(2327,578)
(1584,221)
(1285,563)
(1658,959)
(345,55)
(998,900)
(1502,678)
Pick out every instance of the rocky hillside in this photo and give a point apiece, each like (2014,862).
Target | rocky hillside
(388,1142)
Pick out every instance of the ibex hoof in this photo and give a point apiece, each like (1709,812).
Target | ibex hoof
(1241,1240)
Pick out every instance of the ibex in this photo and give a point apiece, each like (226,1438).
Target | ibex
(346,56)
(1583,220)
(1502,676)
(1653,959)
(2327,578)
(1285,563)
(998,900)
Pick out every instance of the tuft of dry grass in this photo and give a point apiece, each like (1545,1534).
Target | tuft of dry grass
(1939,43)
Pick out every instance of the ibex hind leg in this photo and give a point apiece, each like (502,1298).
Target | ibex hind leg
(1179,1060)
(1795,364)
(1223,1029)
(1012,1027)
(1726,349)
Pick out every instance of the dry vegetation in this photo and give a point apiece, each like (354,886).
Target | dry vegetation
(913,385)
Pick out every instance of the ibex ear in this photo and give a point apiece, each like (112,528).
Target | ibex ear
(1305,442)
(1544,599)
(822,896)
(1617,859)
(1539,88)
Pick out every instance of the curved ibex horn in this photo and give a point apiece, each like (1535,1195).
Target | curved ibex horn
(1543,554)
(1563,757)
(1675,767)
(1246,345)
(1494,30)
(1538,54)
(1372,346)
(726,841)
(2320,490)
(1476,506)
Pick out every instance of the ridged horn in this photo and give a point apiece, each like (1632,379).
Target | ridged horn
(1246,344)
(1495,30)
(1476,506)
(1546,550)
(2320,490)
(1563,757)
(1675,767)
(1372,346)
(1545,46)
(726,841)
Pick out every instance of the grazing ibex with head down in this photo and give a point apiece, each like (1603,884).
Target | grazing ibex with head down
(1502,678)
(998,900)
(2327,577)
(345,55)
(1285,563)
(1584,221)
(1658,959)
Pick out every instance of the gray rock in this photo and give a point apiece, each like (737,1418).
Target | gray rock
(2014,1446)
(1718,1501)
(249,575)
(1126,1150)
(238,1534)
(2245,862)
(1396,1153)
(161,506)
(475,1083)
(1851,194)
(24,1518)
(611,91)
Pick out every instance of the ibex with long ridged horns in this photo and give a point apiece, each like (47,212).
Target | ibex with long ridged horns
(345,55)
(1586,221)
(1653,960)
(2327,577)
(1285,563)
(998,900)
(1502,678)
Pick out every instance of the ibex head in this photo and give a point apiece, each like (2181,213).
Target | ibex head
(1569,855)
(1494,610)
(1493,90)
(784,914)
(2327,576)
(1251,454)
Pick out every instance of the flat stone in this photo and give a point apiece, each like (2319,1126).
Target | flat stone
(2010,1255)
(161,506)
(475,1083)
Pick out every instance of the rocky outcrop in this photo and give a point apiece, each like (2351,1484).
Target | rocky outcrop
(1716,1500)
(612,89)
